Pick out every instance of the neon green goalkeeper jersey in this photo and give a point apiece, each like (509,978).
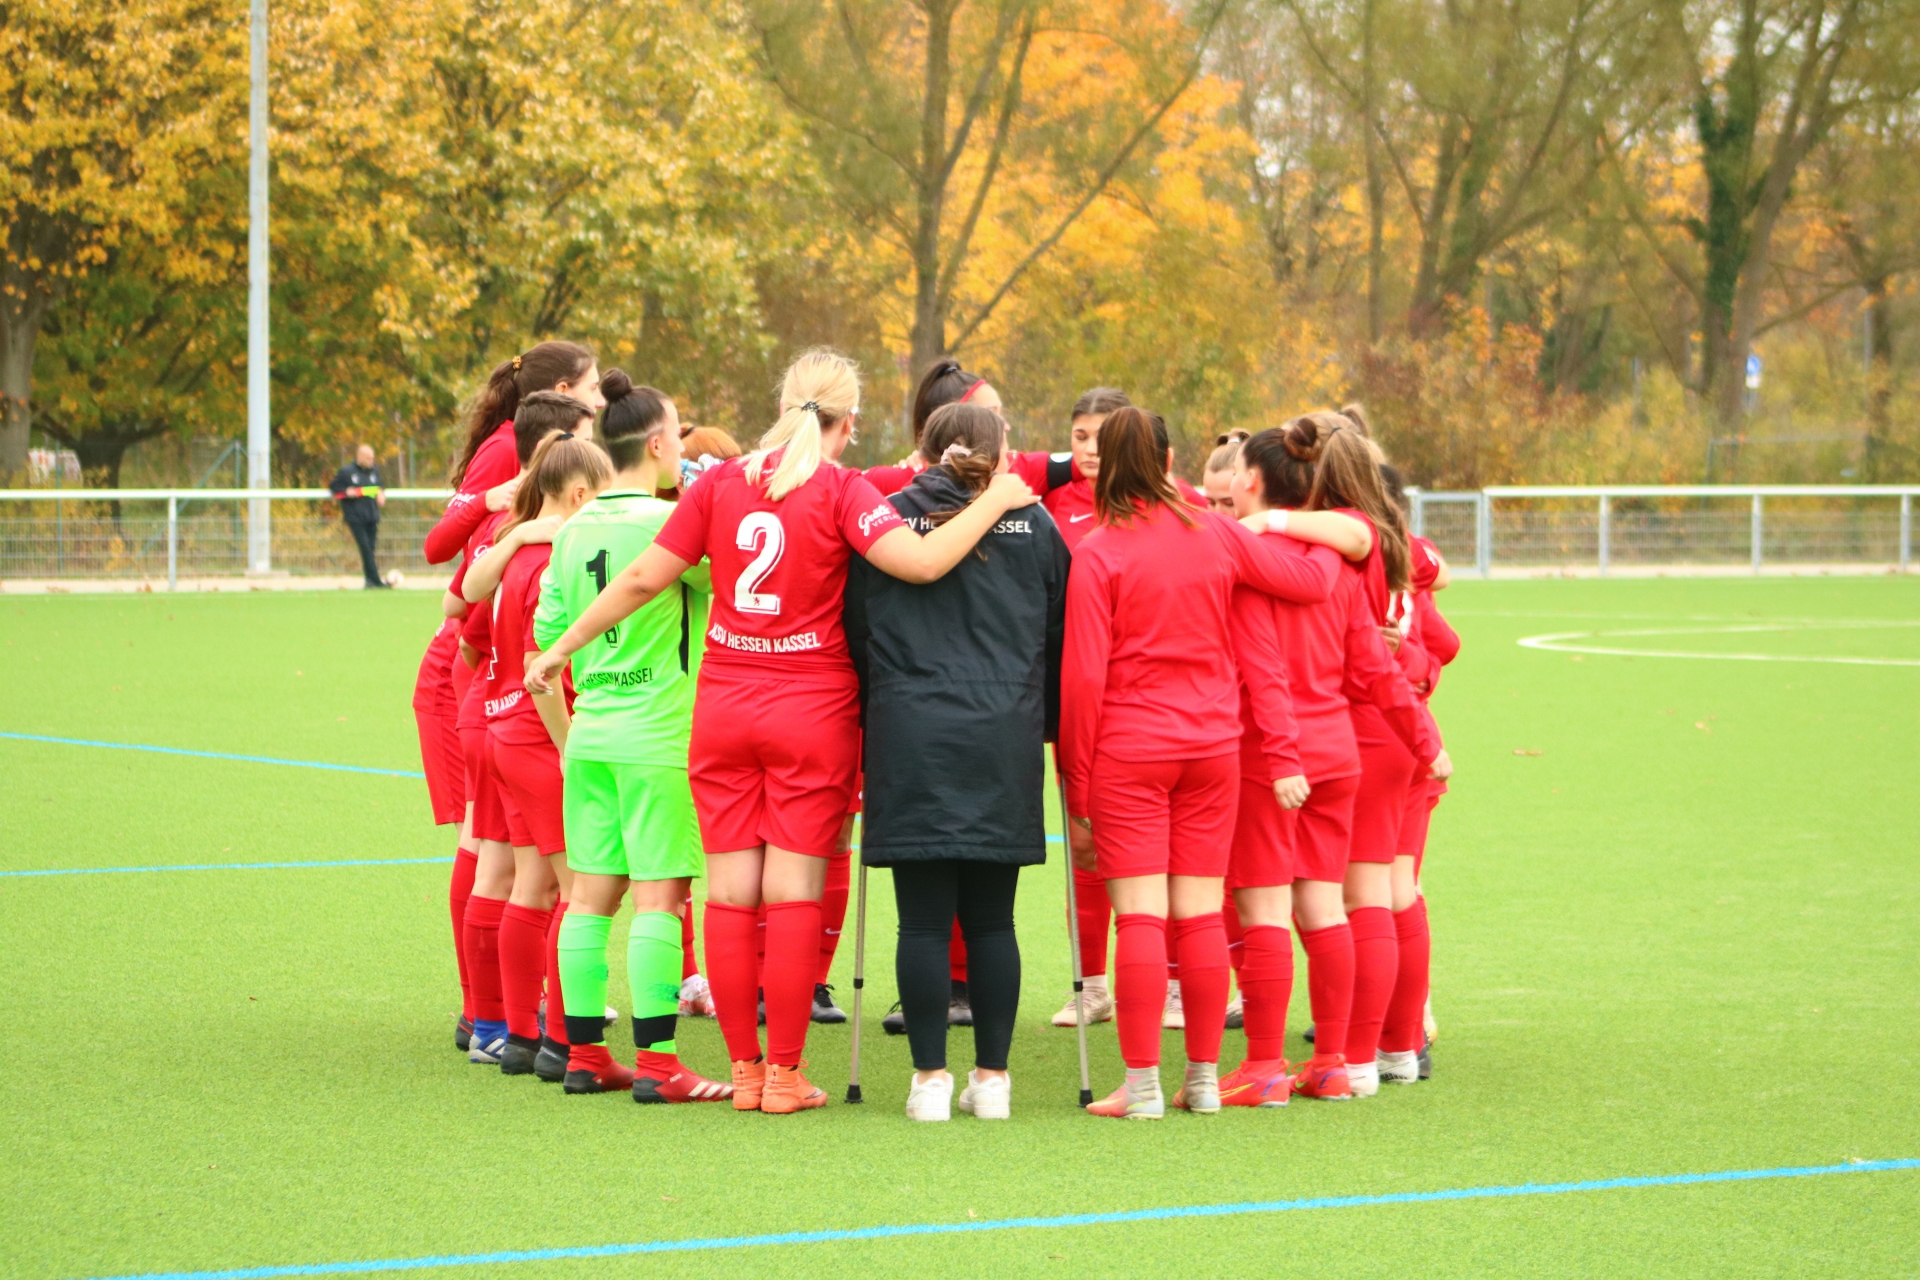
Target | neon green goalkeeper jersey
(633,685)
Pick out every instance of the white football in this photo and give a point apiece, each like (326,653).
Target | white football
(395,577)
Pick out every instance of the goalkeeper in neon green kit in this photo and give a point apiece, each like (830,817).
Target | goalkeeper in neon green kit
(629,813)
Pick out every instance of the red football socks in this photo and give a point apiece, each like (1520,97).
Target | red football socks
(833,911)
(1329,986)
(1266,985)
(1200,942)
(523,968)
(1376,966)
(1405,1031)
(481,931)
(1094,909)
(1140,986)
(689,963)
(733,976)
(465,862)
(793,950)
(1236,934)
(556,1000)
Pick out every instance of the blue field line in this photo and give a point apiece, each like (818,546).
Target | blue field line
(214,755)
(1010,1224)
(228,866)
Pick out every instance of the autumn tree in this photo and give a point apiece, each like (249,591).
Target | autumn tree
(922,114)
(109,112)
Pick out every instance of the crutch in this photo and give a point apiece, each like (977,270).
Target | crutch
(1073,946)
(859,982)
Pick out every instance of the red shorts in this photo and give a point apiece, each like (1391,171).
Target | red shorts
(489,817)
(1263,835)
(1163,817)
(1324,829)
(1387,772)
(446,771)
(527,776)
(1422,798)
(773,762)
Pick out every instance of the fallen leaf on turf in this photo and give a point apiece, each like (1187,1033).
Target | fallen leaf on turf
(1523,751)
(1701,725)
(343,719)
(1578,658)
(671,1199)
(972,1214)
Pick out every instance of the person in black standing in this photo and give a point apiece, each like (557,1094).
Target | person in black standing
(356,487)
(960,683)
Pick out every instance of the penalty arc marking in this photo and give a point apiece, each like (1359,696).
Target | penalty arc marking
(1582,642)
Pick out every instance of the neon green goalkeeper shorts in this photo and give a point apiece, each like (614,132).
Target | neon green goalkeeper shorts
(633,820)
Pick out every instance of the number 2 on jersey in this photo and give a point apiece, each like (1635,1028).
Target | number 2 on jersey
(598,568)
(760,531)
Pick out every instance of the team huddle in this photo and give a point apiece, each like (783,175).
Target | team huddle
(666,658)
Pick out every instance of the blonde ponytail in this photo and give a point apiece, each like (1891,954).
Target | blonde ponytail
(819,391)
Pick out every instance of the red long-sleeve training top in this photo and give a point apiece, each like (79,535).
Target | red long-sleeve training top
(496,461)
(1427,643)
(1334,658)
(1148,672)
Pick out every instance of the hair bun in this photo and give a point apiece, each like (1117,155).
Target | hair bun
(615,385)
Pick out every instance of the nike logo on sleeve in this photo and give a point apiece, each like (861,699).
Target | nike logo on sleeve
(1078,519)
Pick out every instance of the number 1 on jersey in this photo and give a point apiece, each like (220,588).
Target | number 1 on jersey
(760,532)
(598,568)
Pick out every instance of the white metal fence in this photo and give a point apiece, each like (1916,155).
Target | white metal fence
(151,534)
(53,534)
(1652,528)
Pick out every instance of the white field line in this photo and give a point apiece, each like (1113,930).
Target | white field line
(1560,642)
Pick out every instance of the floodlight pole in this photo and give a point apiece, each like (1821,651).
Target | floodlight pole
(259,416)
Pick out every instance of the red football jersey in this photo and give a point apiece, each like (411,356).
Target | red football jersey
(1071,506)
(1148,670)
(495,462)
(511,715)
(477,627)
(779,568)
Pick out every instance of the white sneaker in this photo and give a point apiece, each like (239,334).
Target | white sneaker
(1399,1068)
(989,1099)
(1363,1078)
(1099,1002)
(932,1100)
(1174,1016)
(1237,1012)
(1201,1093)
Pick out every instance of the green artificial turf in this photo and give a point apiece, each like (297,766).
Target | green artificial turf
(1676,907)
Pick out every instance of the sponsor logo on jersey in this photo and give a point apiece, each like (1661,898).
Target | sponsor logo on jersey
(795,643)
(878,515)
(1013,526)
(500,706)
(618,679)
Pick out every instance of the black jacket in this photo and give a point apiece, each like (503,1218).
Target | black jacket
(960,688)
(357,509)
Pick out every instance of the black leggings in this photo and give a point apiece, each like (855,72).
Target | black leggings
(928,896)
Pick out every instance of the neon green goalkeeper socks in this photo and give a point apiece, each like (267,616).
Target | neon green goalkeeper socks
(583,975)
(653,972)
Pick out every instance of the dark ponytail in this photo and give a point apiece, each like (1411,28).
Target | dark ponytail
(632,417)
(944,383)
(1284,464)
(1133,468)
(964,440)
(539,368)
